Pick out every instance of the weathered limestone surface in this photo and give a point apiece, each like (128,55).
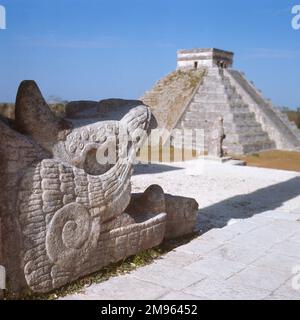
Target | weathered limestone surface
(181,211)
(62,211)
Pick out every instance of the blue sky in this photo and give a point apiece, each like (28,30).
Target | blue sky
(95,49)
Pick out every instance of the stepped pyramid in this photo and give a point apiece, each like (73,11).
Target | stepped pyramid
(205,87)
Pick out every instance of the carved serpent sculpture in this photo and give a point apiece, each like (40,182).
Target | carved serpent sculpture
(62,211)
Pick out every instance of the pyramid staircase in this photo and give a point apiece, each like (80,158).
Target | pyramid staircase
(284,132)
(218,97)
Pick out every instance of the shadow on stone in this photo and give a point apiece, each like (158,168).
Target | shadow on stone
(153,168)
(248,205)
(181,212)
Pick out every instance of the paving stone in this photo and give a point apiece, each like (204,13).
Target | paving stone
(277,261)
(221,235)
(242,227)
(289,248)
(281,215)
(260,278)
(296,211)
(125,288)
(289,226)
(216,267)
(178,295)
(219,290)
(167,276)
(180,259)
(288,291)
(264,237)
(241,253)
(206,225)
(199,246)
(260,220)
(295,237)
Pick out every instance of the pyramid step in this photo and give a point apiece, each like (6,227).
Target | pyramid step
(212,83)
(248,148)
(212,90)
(211,96)
(242,122)
(210,99)
(213,77)
(224,105)
(248,138)
(242,129)
(210,93)
(235,99)
(214,70)
(209,107)
(240,118)
(202,115)
(239,109)
(249,116)
(195,124)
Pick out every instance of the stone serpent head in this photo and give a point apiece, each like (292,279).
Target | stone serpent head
(66,187)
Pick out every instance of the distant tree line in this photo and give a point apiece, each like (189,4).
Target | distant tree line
(7,110)
(294,115)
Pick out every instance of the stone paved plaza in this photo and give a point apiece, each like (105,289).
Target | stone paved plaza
(249,242)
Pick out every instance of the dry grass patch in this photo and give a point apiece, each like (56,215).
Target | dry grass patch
(283,160)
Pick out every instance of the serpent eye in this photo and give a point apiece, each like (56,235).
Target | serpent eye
(92,166)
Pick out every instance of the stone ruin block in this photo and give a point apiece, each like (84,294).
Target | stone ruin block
(181,211)
(65,214)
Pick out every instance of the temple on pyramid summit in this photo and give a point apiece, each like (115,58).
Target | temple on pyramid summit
(205,87)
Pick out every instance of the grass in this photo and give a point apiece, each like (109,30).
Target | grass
(123,267)
(283,160)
